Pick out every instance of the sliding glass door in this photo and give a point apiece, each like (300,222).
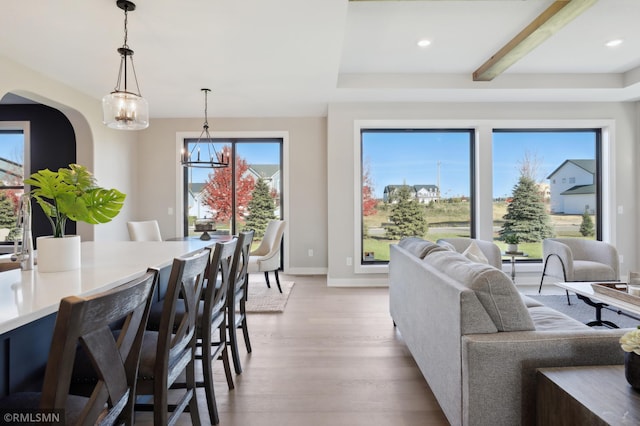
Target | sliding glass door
(244,195)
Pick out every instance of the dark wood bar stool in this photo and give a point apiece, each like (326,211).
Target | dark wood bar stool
(170,351)
(83,330)
(212,319)
(237,298)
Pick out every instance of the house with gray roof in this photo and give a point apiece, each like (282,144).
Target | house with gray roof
(270,173)
(572,187)
(425,194)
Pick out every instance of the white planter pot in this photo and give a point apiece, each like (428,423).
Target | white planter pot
(512,248)
(58,254)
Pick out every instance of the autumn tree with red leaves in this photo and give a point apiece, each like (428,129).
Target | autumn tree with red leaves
(217,189)
(369,203)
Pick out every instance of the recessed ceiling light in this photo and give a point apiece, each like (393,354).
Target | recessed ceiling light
(424,43)
(614,43)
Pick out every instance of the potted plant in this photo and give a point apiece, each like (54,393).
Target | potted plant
(70,194)
(630,343)
(512,241)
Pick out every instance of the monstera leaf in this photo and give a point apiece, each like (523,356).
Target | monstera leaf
(72,193)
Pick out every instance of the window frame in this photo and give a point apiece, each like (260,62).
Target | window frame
(472,192)
(597,178)
(234,142)
(22,127)
(483,176)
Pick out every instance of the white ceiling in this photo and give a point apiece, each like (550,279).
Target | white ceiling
(293,57)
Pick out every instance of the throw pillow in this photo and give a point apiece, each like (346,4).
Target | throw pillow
(474,254)
(418,247)
(447,245)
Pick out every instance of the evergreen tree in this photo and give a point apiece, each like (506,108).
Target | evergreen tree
(586,227)
(261,207)
(526,215)
(407,215)
(7,211)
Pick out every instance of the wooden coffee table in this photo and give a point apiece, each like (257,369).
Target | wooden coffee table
(592,395)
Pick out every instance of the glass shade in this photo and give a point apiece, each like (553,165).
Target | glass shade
(125,111)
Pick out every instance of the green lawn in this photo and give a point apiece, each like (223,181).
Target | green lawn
(446,218)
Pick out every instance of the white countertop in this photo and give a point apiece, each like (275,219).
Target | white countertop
(26,296)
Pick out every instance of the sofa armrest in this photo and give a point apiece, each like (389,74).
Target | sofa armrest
(498,370)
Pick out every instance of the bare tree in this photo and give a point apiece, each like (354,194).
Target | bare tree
(530,165)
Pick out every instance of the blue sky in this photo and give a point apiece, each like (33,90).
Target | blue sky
(11,147)
(413,157)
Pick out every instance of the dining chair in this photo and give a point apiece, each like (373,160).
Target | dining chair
(83,329)
(266,257)
(170,351)
(145,230)
(237,298)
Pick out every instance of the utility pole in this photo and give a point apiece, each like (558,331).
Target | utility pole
(438,178)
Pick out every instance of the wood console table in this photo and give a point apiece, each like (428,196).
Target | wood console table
(591,395)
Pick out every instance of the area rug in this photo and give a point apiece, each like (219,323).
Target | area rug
(583,312)
(262,299)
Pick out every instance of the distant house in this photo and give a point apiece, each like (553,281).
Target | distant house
(425,194)
(10,172)
(270,173)
(196,206)
(572,187)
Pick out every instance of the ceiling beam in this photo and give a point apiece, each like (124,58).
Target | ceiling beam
(556,16)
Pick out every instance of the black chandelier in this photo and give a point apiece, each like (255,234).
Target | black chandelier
(203,154)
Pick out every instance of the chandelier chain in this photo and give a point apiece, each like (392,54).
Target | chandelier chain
(206,104)
(126,30)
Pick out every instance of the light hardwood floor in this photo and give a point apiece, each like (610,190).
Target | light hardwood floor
(332,358)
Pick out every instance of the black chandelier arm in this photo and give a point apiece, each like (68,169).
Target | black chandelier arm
(214,160)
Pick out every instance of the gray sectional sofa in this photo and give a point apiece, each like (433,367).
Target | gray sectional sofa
(477,340)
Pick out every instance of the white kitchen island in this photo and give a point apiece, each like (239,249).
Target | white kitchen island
(29,299)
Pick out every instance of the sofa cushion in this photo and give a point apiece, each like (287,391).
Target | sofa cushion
(418,246)
(493,288)
(548,319)
(474,254)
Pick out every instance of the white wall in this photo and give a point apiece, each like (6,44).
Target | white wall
(304,179)
(109,154)
(342,179)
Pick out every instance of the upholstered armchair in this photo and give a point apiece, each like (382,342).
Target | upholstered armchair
(267,256)
(489,249)
(576,259)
